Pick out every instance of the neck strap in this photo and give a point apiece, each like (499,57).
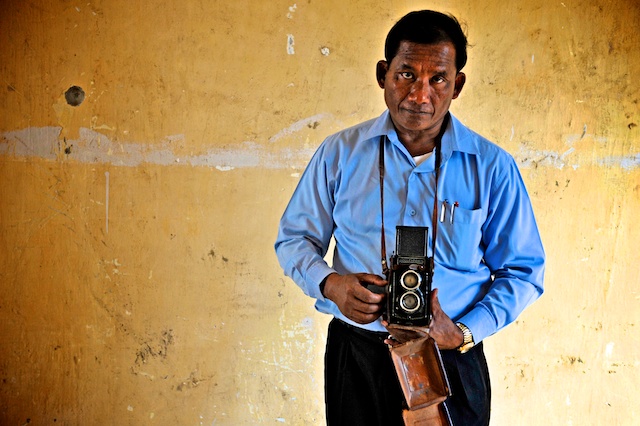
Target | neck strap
(434,217)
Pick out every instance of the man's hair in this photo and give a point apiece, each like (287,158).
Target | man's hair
(427,27)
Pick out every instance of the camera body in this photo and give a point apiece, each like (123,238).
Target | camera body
(409,277)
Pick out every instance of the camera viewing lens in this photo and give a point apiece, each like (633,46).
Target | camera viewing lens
(410,280)
(410,302)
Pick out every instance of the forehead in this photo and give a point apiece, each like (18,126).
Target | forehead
(440,55)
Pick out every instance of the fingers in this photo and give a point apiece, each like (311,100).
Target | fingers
(391,342)
(373,283)
(353,298)
(442,328)
(405,333)
(371,279)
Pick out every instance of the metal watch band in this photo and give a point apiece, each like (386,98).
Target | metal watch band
(467,338)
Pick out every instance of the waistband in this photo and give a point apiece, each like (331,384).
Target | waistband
(373,336)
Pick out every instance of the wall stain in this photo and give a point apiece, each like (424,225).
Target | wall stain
(192,381)
(155,349)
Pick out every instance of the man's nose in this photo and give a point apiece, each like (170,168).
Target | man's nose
(420,92)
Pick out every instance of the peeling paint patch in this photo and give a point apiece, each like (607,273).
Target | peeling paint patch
(627,163)
(92,147)
(528,158)
(572,139)
(608,352)
(40,142)
(290,43)
(292,10)
(301,124)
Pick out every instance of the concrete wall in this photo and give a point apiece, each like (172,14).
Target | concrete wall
(138,280)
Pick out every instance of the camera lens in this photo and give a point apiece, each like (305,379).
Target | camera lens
(410,302)
(410,280)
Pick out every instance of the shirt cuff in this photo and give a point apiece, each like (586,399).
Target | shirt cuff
(315,275)
(480,322)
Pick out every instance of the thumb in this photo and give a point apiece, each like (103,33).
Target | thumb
(435,303)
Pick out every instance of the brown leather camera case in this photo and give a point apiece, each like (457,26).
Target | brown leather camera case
(421,372)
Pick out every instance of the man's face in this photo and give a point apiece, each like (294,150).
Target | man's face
(419,84)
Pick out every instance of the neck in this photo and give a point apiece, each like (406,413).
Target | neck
(417,148)
(423,142)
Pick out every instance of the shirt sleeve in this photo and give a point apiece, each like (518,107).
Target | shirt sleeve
(306,227)
(513,253)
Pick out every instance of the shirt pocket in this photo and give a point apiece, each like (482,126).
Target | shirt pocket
(459,240)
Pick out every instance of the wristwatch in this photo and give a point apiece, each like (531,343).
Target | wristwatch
(467,338)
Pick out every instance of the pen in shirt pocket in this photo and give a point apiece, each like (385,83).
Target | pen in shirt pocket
(443,210)
(453,209)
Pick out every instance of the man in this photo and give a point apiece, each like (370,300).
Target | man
(489,260)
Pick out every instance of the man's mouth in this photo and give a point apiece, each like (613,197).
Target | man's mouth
(417,111)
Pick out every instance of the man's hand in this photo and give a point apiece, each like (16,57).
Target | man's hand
(446,334)
(354,300)
(399,334)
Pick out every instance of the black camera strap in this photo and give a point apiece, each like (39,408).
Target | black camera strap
(434,218)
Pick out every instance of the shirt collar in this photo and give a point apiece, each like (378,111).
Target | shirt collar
(457,137)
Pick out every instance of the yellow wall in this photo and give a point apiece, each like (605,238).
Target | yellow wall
(138,280)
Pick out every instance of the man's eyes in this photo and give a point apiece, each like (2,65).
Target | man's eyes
(407,75)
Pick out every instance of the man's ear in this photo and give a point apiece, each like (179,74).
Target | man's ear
(381,72)
(461,78)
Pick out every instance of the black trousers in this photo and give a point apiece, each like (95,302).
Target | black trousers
(361,386)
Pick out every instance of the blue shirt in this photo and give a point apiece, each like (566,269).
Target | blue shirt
(489,261)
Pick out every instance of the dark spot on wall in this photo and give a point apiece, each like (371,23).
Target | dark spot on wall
(313,125)
(155,348)
(190,383)
(74,95)
(572,360)
(632,125)
(11,88)
(67,150)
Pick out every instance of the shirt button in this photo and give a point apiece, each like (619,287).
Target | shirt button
(412,212)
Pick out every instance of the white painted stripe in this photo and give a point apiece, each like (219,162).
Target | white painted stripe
(93,147)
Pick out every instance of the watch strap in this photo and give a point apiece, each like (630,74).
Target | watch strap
(467,338)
